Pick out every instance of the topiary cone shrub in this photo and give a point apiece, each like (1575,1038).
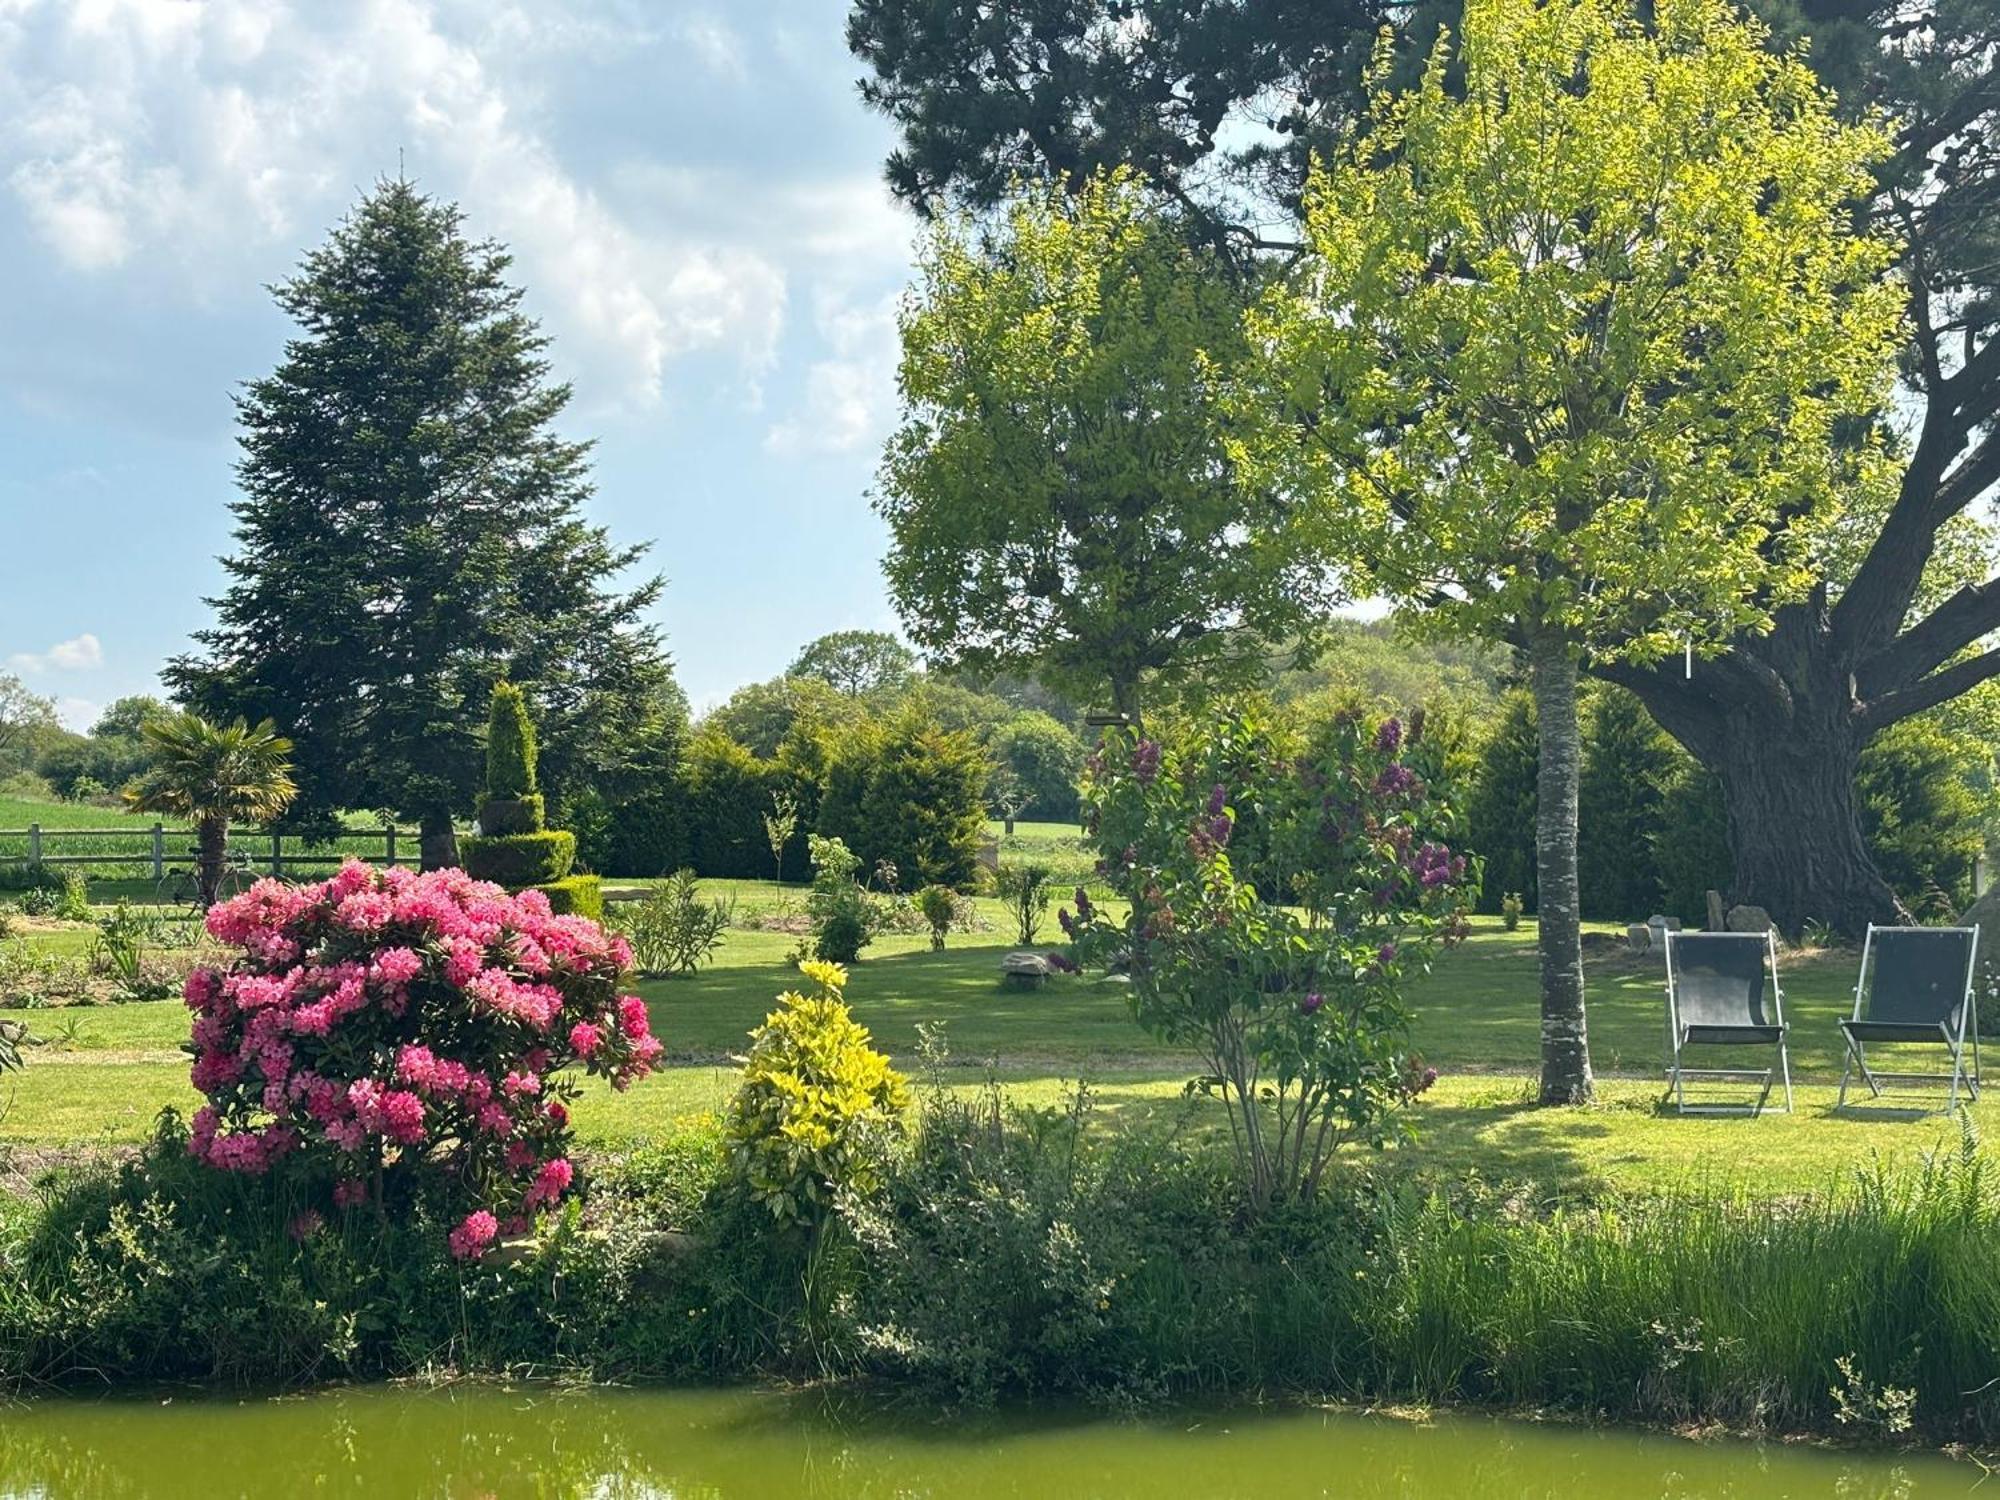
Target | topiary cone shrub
(513,848)
(396,1038)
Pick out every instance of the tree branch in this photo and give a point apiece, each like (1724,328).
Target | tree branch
(1943,633)
(1939,687)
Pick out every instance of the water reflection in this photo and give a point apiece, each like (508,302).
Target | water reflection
(539,1444)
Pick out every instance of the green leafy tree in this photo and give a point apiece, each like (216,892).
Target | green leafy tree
(761,715)
(411,529)
(123,718)
(1569,358)
(25,718)
(1691,844)
(857,662)
(1060,497)
(214,775)
(1045,760)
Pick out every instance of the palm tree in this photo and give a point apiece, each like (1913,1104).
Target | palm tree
(214,774)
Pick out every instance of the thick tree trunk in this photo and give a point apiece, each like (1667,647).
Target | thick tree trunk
(1778,723)
(1552,673)
(1794,834)
(437,840)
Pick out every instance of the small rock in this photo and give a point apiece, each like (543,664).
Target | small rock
(1639,937)
(1747,919)
(1715,918)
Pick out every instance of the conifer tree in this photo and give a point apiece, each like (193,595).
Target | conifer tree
(411,529)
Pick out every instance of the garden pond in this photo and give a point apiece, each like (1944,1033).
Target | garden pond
(482,1441)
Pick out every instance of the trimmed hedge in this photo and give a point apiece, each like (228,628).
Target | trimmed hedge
(518,859)
(575,896)
(510,744)
(503,815)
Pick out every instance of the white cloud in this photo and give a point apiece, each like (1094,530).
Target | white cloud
(711,39)
(850,397)
(82,653)
(206,143)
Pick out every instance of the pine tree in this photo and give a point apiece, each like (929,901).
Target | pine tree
(1500,815)
(1627,762)
(410,529)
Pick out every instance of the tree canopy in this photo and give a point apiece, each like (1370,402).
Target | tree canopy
(1060,496)
(1574,359)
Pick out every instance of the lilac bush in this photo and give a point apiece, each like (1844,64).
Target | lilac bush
(1280,891)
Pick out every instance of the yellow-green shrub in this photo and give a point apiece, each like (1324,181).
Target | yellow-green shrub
(818,1108)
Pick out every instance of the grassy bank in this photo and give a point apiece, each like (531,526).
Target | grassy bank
(1053,1252)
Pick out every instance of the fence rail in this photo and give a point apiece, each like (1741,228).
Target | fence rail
(153,851)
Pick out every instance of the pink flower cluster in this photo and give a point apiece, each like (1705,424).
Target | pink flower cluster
(385,1023)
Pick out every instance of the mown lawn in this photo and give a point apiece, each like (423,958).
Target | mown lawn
(107,1070)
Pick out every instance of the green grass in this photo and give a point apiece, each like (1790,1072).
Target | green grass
(108,1069)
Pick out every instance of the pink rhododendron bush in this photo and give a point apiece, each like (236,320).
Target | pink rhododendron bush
(383,1026)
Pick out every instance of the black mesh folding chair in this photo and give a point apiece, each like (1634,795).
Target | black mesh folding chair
(1722,991)
(1915,987)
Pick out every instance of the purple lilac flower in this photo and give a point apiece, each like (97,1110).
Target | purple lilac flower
(1386,954)
(1396,778)
(1146,761)
(1219,828)
(1218,797)
(1311,1003)
(1389,738)
(1065,921)
(1083,903)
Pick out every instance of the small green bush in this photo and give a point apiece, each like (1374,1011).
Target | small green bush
(818,1107)
(504,815)
(574,896)
(843,918)
(674,930)
(1510,910)
(1025,889)
(518,859)
(73,897)
(939,904)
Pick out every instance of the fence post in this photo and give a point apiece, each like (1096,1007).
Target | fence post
(389,836)
(277,855)
(159,853)
(34,843)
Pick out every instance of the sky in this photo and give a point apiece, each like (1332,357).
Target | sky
(692,192)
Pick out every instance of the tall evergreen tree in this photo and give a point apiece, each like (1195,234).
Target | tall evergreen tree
(1627,762)
(410,530)
(1500,812)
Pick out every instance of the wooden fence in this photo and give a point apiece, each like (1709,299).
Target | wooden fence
(160,848)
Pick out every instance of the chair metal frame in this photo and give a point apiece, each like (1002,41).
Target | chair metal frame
(1954,1043)
(1677,1040)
